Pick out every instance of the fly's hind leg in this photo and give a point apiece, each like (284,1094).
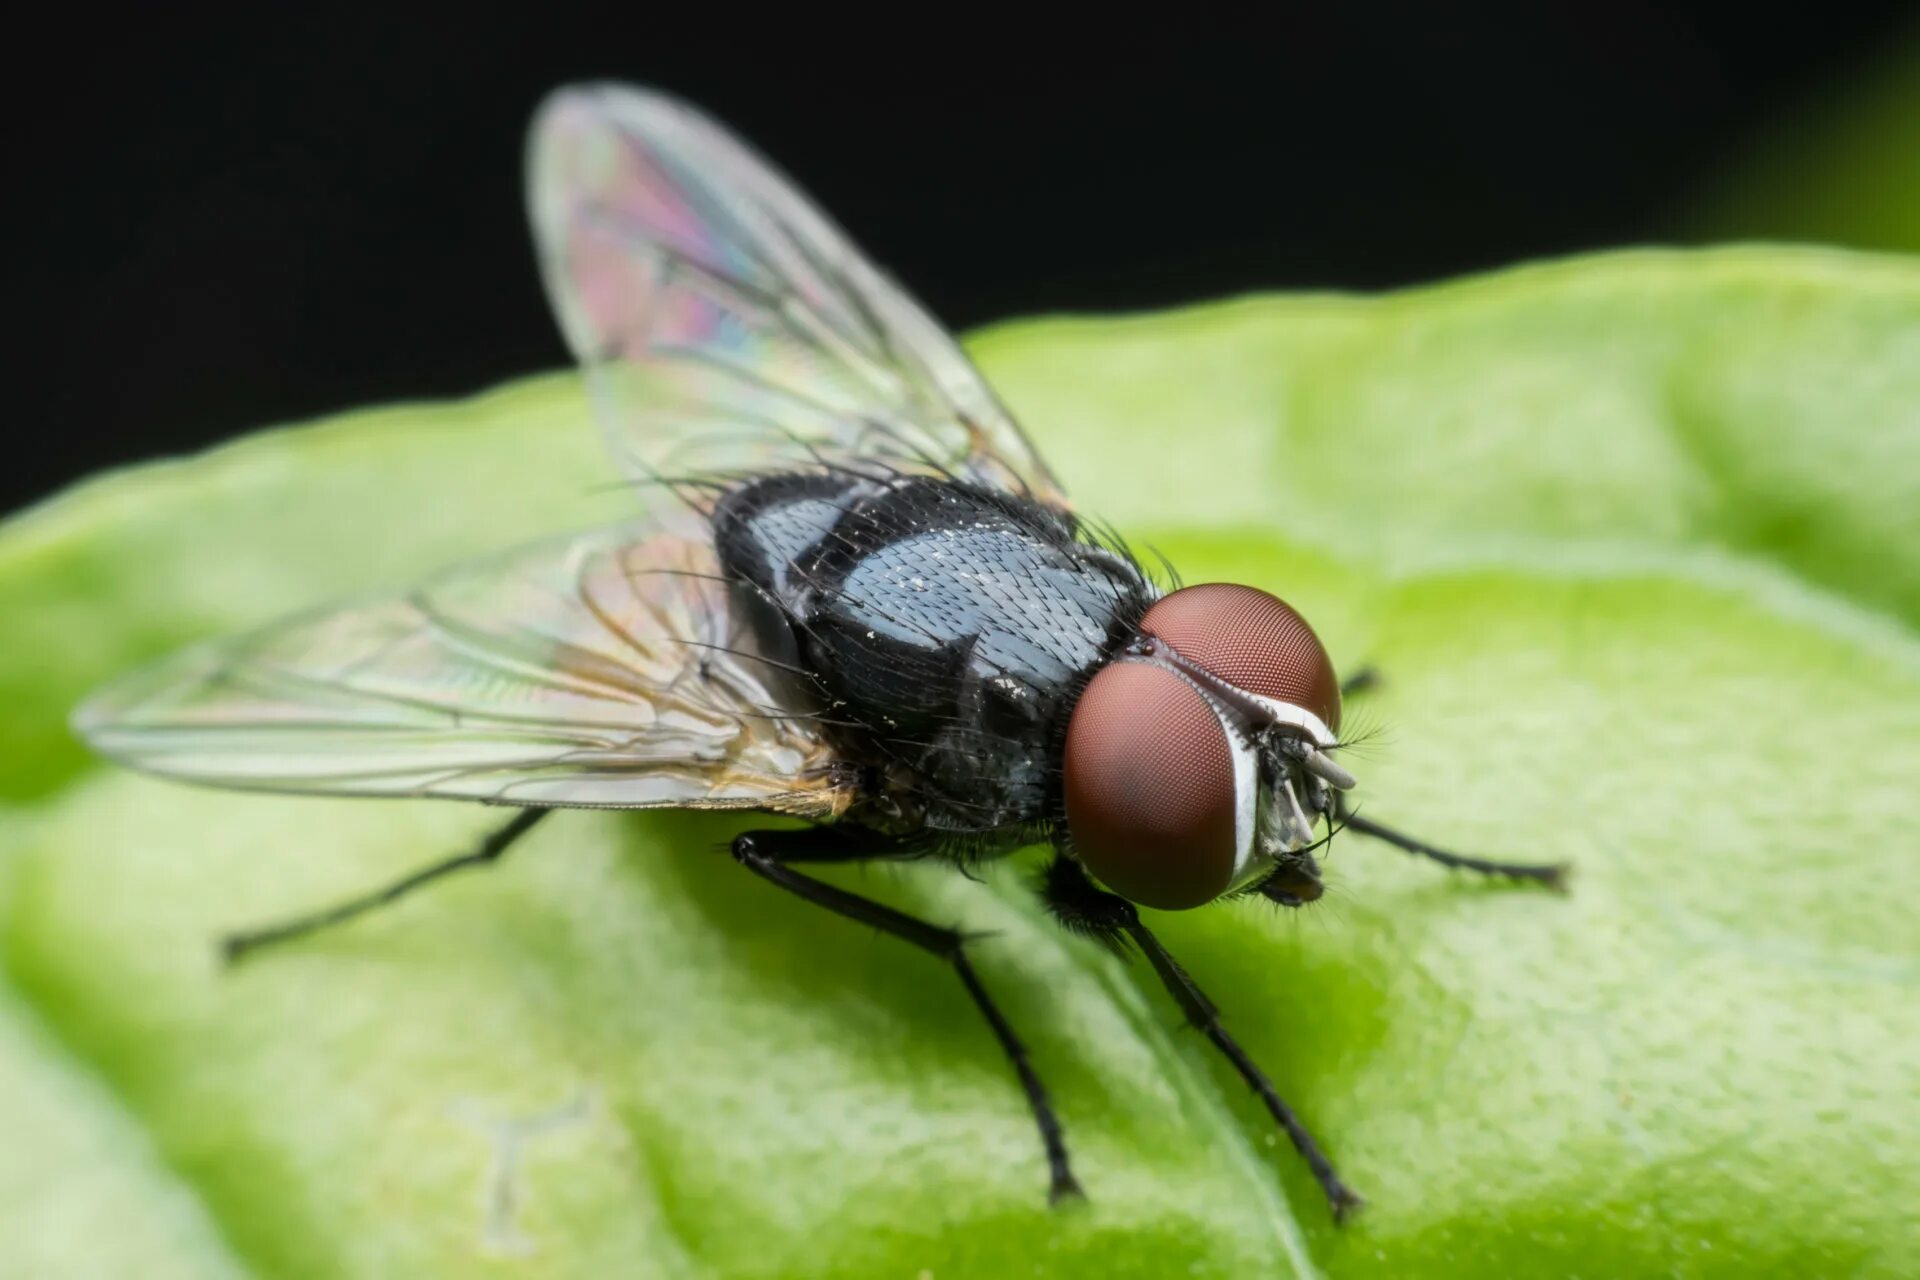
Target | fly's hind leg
(237,946)
(768,854)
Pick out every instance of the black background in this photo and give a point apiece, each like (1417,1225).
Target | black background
(240,218)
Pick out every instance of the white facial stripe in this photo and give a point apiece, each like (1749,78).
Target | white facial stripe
(1246,782)
(1246,796)
(1299,717)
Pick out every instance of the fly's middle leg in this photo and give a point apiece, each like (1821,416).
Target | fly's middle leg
(769,855)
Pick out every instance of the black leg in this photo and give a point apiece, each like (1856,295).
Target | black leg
(236,946)
(766,853)
(1081,907)
(1360,681)
(842,842)
(1551,874)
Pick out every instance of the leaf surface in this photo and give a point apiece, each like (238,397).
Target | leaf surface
(1635,541)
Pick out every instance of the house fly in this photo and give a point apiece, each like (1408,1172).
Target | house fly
(853,594)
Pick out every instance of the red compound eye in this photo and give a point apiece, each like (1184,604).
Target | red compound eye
(1149,788)
(1253,641)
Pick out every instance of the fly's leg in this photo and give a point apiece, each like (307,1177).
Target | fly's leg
(1551,874)
(768,853)
(1084,909)
(236,946)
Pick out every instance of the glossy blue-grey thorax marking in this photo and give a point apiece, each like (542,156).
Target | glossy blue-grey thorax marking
(952,623)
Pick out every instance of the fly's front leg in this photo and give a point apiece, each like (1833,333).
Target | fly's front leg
(1551,874)
(768,854)
(1084,909)
(1360,681)
(237,946)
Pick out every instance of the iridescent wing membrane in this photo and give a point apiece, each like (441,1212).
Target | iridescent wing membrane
(727,329)
(601,671)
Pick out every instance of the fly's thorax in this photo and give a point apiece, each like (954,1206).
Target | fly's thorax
(1196,763)
(940,627)
(766,529)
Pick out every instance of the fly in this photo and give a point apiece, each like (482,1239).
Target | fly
(854,594)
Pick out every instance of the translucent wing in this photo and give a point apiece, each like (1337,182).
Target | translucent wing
(726,325)
(601,671)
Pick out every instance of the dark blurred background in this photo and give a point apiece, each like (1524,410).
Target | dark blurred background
(237,220)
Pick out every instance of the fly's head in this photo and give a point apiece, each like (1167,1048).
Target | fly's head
(1196,763)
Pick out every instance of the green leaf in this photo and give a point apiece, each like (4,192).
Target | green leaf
(1636,542)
